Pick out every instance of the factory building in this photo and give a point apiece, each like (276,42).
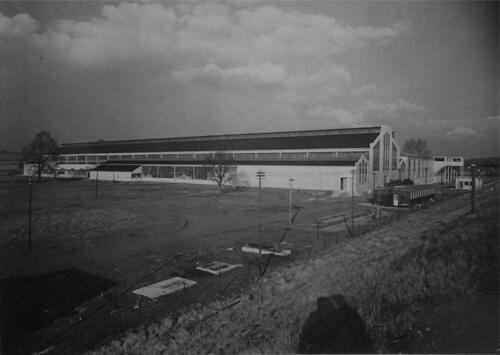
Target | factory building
(338,160)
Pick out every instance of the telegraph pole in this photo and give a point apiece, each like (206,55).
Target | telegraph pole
(96,183)
(29,213)
(290,205)
(260,176)
(378,199)
(352,204)
(473,190)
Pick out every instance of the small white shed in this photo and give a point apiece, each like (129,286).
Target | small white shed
(465,183)
(116,172)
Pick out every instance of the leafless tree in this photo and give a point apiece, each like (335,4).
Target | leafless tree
(39,151)
(417,147)
(221,164)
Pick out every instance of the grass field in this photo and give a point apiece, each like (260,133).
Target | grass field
(137,234)
(131,235)
(426,283)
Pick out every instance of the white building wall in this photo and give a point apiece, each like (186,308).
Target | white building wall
(177,180)
(429,171)
(76,166)
(306,177)
(465,183)
(32,170)
(388,151)
(112,175)
(447,161)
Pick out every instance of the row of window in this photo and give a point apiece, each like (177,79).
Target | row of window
(180,172)
(93,159)
(363,172)
(455,160)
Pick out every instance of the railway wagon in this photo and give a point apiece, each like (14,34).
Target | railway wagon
(403,196)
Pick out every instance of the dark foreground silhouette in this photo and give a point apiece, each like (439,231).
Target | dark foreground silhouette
(334,327)
(28,303)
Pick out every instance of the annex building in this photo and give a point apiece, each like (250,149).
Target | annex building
(332,159)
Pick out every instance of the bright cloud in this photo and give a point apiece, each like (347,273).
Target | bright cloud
(253,74)
(392,107)
(461,131)
(199,33)
(18,25)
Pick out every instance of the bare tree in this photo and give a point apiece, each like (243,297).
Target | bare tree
(221,164)
(417,147)
(39,151)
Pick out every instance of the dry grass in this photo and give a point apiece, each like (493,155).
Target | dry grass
(392,276)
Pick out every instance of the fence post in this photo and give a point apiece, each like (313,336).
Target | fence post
(290,204)
(96,183)
(473,189)
(352,204)
(29,212)
(260,176)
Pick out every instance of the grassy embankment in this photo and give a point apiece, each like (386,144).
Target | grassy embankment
(406,280)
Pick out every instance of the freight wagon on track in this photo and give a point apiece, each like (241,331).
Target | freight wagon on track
(403,196)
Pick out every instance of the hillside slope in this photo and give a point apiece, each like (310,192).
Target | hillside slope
(425,283)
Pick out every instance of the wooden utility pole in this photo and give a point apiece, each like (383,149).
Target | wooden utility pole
(378,200)
(290,204)
(373,190)
(260,176)
(352,204)
(96,183)
(473,188)
(29,213)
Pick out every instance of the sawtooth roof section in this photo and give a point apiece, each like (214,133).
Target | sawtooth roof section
(116,167)
(318,139)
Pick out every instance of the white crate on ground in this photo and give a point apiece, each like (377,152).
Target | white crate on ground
(165,287)
(265,250)
(217,267)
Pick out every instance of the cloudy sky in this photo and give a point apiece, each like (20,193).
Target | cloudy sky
(123,70)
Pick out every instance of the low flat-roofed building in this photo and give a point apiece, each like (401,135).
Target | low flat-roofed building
(438,169)
(465,183)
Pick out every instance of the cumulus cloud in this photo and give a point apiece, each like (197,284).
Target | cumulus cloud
(462,131)
(343,117)
(253,74)
(256,60)
(390,108)
(18,25)
(363,90)
(193,33)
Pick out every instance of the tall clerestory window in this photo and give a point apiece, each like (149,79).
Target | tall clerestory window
(376,157)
